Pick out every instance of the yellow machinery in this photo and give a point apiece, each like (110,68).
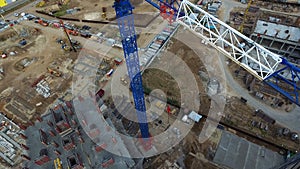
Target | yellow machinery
(41,4)
(57,163)
(104,10)
(241,28)
(3,3)
(54,72)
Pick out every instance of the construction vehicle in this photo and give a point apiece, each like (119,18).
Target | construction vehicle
(41,4)
(72,32)
(54,72)
(65,47)
(41,22)
(57,163)
(68,37)
(3,3)
(103,15)
(241,28)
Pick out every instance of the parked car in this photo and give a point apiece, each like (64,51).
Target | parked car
(85,34)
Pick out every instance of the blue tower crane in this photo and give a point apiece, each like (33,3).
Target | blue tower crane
(125,20)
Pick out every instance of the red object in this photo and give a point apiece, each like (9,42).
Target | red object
(49,123)
(167,13)
(26,157)
(4,55)
(22,127)
(114,140)
(74,122)
(57,152)
(94,133)
(108,162)
(25,147)
(56,25)
(100,147)
(23,136)
(71,32)
(55,144)
(100,93)
(69,104)
(42,160)
(52,133)
(38,80)
(67,125)
(41,22)
(146,142)
(168,109)
(30,123)
(118,61)
(39,119)
(58,129)
(69,146)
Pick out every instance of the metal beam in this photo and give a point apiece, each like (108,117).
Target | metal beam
(257,60)
(125,20)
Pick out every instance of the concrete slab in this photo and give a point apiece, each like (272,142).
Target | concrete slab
(237,153)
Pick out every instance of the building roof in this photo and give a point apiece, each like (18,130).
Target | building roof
(284,32)
(236,152)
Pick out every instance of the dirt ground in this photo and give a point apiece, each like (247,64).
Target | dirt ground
(41,56)
(157,79)
(196,154)
(270,95)
(242,116)
(92,9)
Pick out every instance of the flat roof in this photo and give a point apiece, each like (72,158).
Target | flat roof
(283,30)
(236,152)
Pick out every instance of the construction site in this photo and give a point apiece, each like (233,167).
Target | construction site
(150,84)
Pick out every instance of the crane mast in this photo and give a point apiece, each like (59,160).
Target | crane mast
(125,21)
